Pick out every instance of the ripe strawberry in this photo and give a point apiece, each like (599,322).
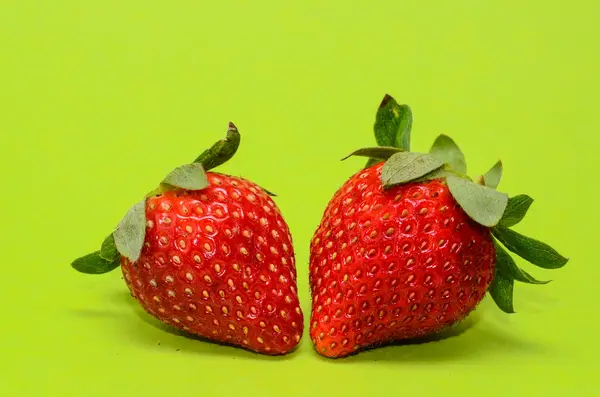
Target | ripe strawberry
(409,245)
(217,262)
(389,265)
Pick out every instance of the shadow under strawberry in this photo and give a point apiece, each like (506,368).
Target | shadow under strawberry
(383,349)
(179,340)
(475,336)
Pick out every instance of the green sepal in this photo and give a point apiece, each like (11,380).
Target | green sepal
(371,162)
(532,250)
(188,176)
(108,250)
(506,265)
(492,178)
(269,192)
(375,153)
(393,124)
(94,264)
(158,190)
(483,204)
(446,150)
(222,151)
(441,173)
(404,167)
(501,290)
(516,209)
(131,232)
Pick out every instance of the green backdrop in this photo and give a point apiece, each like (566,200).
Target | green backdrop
(99,99)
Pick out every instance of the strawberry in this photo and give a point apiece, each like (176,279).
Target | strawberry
(209,254)
(410,245)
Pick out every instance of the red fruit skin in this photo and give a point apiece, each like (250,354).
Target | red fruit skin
(219,263)
(387,265)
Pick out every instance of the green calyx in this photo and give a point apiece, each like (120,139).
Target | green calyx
(478,198)
(127,239)
(393,123)
(221,151)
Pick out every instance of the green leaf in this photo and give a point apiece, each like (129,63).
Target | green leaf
(188,176)
(371,162)
(440,173)
(393,123)
(268,192)
(492,177)
(404,167)
(109,249)
(501,291)
(222,151)
(446,150)
(516,210)
(131,232)
(533,251)
(94,264)
(376,153)
(158,190)
(483,204)
(506,265)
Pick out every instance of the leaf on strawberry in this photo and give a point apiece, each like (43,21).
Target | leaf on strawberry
(188,176)
(516,210)
(393,124)
(445,149)
(501,291)
(131,232)
(376,153)
(506,265)
(221,151)
(270,193)
(532,250)
(440,173)
(94,264)
(404,167)
(483,204)
(492,178)
(108,251)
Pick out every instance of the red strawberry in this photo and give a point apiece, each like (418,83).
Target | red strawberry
(389,265)
(406,246)
(217,262)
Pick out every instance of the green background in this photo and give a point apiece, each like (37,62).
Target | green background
(99,99)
